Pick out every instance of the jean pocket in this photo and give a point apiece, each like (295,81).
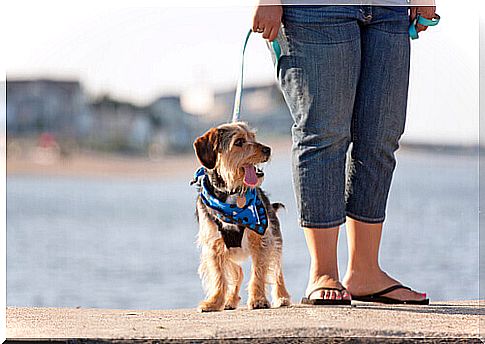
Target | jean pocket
(331,31)
(393,19)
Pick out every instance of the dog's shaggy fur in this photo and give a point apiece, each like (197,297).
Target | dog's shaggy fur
(223,151)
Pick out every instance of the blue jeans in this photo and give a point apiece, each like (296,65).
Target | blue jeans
(344,74)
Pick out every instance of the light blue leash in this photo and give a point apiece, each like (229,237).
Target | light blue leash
(413,30)
(236,113)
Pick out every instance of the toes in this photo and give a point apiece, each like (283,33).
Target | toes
(421,296)
(318,295)
(411,295)
(322,294)
(407,295)
(331,295)
(346,295)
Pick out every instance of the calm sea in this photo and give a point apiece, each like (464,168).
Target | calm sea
(130,243)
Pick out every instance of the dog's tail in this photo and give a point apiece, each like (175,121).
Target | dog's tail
(277,206)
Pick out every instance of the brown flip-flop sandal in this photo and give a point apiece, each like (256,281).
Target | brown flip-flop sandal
(324,302)
(378,297)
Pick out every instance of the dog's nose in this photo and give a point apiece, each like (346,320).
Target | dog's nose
(266,150)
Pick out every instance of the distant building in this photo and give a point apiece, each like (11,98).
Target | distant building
(262,107)
(118,126)
(62,109)
(42,105)
(174,129)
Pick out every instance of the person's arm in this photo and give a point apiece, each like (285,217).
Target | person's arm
(267,18)
(428,12)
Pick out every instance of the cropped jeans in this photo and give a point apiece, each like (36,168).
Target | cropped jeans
(344,73)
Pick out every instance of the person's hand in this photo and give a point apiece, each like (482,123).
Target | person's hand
(428,12)
(267,20)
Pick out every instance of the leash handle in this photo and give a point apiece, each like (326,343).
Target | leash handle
(413,30)
(236,112)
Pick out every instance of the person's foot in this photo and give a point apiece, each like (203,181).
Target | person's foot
(360,284)
(329,282)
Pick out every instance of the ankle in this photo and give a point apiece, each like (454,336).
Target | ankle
(358,270)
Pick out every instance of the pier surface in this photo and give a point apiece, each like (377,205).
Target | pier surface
(440,322)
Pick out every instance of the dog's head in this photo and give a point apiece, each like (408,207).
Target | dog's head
(232,150)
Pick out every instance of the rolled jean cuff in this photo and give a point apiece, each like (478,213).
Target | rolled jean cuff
(332,224)
(366,219)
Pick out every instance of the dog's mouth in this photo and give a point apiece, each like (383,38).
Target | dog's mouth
(251,175)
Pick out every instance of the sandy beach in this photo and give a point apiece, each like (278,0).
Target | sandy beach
(109,166)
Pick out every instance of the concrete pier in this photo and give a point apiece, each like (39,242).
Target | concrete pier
(441,322)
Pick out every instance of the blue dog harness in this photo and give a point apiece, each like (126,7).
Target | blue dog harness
(252,215)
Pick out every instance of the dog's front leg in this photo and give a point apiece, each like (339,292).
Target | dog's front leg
(259,271)
(212,272)
(237,276)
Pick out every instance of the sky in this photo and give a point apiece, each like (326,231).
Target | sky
(137,51)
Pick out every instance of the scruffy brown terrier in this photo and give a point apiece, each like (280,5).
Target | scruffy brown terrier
(229,155)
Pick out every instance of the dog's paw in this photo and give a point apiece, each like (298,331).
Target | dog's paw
(258,303)
(207,306)
(232,303)
(282,302)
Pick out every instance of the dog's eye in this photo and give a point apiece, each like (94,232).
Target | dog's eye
(239,142)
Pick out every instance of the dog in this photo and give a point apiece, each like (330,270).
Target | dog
(230,175)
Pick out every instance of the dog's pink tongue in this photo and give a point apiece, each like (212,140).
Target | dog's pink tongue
(250,177)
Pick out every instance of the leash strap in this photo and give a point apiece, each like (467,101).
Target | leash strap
(236,113)
(413,30)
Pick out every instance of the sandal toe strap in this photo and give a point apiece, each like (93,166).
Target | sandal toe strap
(392,288)
(325,288)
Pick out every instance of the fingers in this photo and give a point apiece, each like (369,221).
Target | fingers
(427,12)
(271,32)
(420,28)
(267,20)
(255,27)
(267,31)
(413,13)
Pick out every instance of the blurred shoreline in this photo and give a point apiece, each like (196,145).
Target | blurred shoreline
(105,165)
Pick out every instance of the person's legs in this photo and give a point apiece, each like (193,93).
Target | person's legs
(364,275)
(377,125)
(322,246)
(319,75)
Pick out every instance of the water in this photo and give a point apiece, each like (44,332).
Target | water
(130,244)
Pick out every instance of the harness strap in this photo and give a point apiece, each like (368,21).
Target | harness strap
(231,237)
(252,215)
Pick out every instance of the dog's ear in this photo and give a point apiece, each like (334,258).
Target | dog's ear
(206,148)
